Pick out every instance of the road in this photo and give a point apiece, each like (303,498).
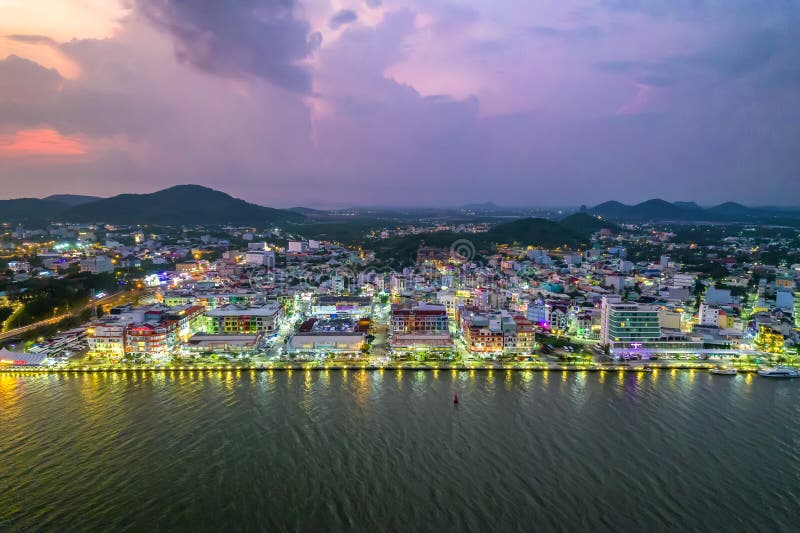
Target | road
(112,299)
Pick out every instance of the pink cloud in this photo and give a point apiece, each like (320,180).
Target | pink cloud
(40,142)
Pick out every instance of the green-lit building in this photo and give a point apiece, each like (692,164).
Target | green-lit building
(627,324)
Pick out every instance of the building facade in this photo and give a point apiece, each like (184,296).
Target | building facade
(245,320)
(626,324)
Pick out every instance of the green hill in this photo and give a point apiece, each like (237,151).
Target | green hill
(535,232)
(573,232)
(584,224)
(30,211)
(182,204)
(71,199)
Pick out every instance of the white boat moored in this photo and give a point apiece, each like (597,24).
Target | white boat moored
(780,372)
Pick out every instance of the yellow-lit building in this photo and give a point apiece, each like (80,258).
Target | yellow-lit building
(769,340)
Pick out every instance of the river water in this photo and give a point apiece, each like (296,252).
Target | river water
(389,451)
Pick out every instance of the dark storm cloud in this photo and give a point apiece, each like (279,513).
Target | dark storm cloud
(342,18)
(261,38)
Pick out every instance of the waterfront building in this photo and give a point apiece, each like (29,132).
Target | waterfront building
(419,318)
(483,333)
(12,359)
(526,335)
(420,327)
(161,330)
(241,319)
(204,342)
(107,336)
(769,340)
(625,324)
(329,335)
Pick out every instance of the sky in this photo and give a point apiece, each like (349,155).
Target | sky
(404,102)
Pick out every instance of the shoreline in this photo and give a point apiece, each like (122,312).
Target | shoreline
(643,369)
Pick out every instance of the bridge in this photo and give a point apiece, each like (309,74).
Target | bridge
(115,298)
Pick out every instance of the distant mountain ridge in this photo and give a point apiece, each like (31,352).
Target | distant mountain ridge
(181,204)
(71,199)
(657,210)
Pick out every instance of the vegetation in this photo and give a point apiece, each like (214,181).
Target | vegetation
(585,224)
(182,204)
(30,211)
(5,312)
(572,232)
(44,297)
(343,230)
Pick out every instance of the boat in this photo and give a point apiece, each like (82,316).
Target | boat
(780,371)
(723,371)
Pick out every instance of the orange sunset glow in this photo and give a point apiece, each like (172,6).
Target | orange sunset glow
(39,142)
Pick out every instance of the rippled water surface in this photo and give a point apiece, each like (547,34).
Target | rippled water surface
(370,451)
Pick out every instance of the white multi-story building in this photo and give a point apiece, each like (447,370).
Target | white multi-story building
(683,279)
(260,257)
(107,336)
(149,331)
(708,315)
(97,264)
(296,247)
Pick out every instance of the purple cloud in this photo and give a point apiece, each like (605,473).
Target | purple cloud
(423,102)
(342,18)
(260,38)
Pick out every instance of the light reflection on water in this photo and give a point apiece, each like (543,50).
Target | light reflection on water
(194,450)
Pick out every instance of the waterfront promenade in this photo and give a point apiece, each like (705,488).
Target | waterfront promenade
(636,367)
